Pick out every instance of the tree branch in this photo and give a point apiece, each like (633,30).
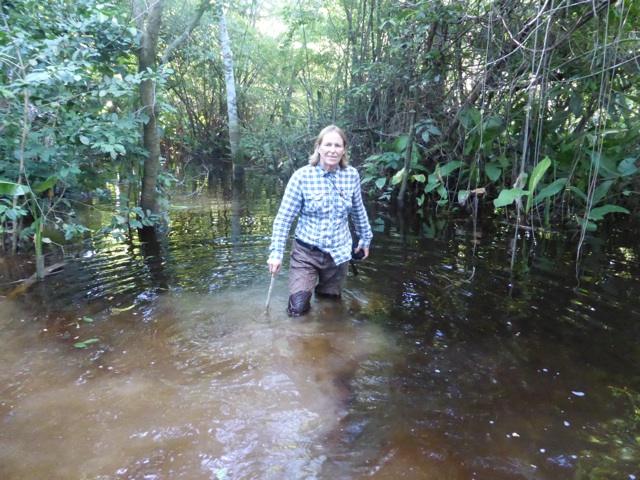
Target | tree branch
(202,7)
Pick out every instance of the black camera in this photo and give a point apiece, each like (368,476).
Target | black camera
(354,245)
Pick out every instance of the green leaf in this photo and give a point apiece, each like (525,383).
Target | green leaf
(578,192)
(450,167)
(397,178)
(86,343)
(84,139)
(419,178)
(11,188)
(627,167)
(400,145)
(46,184)
(493,171)
(598,213)
(380,182)
(537,174)
(601,191)
(550,190)
(507,197)
(37,77)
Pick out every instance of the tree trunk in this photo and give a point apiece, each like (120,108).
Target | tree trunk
(149,25)
(232,104)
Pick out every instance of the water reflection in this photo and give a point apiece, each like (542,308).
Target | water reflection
(441,362)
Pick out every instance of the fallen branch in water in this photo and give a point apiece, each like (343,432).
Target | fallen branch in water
(27,282)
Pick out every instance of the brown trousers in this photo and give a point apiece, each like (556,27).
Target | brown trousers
(312,269)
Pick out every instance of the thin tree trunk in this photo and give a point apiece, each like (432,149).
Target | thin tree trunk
(232,102)
(151,141)
(408,152)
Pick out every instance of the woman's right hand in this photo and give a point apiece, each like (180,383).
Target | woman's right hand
(274,265)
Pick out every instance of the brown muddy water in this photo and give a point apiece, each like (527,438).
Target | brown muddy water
(450,357)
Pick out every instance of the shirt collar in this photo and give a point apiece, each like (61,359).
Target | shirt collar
(321,172)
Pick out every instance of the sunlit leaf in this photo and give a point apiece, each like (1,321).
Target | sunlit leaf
(11,188)
(508,196)
(397,178)
(537,174)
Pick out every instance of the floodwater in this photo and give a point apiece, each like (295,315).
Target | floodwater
(456,353)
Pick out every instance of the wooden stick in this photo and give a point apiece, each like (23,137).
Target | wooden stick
(273,281)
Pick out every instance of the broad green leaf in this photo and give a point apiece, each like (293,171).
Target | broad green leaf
(11,188)
(400,145)
(537,174)
(450,167)
(507,197)
(601,191)
(366,180)
(397,178)
(419,178)
(627,167)
(46,184)
(589,226)
(431,186)
(84,139)
(578,192)
(380,182)
(37,77)
(493,171)
(598,213)
(550,190)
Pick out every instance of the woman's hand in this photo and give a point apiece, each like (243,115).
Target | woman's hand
(365,250)
(274,266)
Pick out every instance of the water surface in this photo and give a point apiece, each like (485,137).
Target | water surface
(449,356)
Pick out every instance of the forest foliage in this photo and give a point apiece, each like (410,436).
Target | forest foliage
(528,108)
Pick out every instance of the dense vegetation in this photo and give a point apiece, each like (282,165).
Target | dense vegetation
(530,108)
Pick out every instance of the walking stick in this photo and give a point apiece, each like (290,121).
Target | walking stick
(273,281)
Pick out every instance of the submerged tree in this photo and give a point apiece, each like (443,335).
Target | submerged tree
(148,18)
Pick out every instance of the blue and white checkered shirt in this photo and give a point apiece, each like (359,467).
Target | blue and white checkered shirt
(322,201)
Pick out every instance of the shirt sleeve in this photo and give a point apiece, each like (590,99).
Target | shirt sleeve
(289,209)
(359,215)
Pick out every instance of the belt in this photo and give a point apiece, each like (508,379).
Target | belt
(311,248)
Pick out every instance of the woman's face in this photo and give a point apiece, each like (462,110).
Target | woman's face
(331,150)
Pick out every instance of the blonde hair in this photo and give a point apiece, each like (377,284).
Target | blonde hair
(315,157)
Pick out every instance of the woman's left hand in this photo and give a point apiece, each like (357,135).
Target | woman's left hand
(364,249)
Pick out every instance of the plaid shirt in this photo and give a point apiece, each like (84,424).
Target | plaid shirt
(322,201)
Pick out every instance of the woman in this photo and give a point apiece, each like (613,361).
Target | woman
(322,195)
